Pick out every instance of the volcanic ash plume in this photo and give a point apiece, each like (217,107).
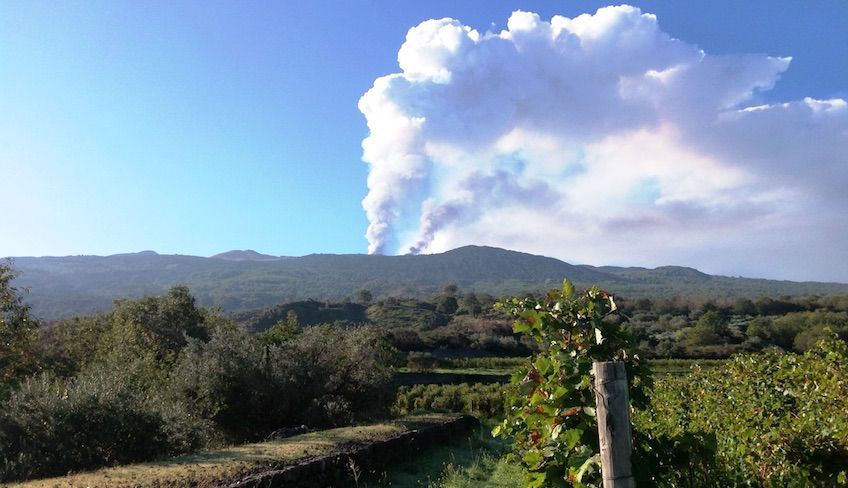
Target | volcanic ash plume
(549,135)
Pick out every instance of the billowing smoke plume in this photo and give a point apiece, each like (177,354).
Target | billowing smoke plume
(599,139)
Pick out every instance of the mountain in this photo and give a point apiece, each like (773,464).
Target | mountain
(246,280)
(246,255)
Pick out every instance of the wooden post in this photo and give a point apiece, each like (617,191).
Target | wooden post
(613,409)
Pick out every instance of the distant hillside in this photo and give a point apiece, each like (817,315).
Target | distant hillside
(73,285)
(246,255)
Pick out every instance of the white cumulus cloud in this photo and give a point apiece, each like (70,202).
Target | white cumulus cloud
(600,139)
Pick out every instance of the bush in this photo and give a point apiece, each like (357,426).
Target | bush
(235,382)
(348,373)
(50,427)
(325,376)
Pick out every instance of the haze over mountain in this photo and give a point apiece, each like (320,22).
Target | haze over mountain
(246,280)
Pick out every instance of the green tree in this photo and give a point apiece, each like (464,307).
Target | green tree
(450,290)
(447,305)
(744,306)
(711,328)
(159,325)
(281,332)
(18,333)
(759,327)
(471,304)
(364,296)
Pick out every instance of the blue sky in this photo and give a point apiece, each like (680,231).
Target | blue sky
(199,127)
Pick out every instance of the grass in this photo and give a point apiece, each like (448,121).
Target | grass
(469,461)
(211,468)
(488,470)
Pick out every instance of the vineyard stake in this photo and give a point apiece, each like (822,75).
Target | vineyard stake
(613,410)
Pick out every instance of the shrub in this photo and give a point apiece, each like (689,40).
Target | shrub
(326,375)
(236,383)
(50,427)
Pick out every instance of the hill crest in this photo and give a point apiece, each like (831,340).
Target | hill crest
(242,281)
(245,255)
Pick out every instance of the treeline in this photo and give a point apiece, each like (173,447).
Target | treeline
(457,323)
(160,376)
(678,328)
(465,323)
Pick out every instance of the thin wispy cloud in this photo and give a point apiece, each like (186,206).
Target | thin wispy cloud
(601,139)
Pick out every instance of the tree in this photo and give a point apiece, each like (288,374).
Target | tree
(744,306)
(446,305)
(470,304)
(364,296)
(710,329)
(161,325)
(281,332)
(450,290)
(17,332)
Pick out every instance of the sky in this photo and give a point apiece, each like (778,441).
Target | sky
(711,134)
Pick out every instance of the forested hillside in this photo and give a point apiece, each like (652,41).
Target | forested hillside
(241,281)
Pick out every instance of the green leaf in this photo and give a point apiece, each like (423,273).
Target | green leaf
(571,438)
(526,387)
(535,480)
(543,365)
(520,326)
(586,466)
(532,458)
(567,288)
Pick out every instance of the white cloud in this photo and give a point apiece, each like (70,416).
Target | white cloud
(601,139)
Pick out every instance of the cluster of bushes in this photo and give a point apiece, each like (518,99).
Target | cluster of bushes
(766,419)
(159,376)
(467,323)
(480,400)
(679,329)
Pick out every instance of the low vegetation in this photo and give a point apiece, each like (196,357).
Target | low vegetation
(766,419)
(480,400)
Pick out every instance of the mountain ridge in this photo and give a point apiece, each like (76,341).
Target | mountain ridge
(61,287)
